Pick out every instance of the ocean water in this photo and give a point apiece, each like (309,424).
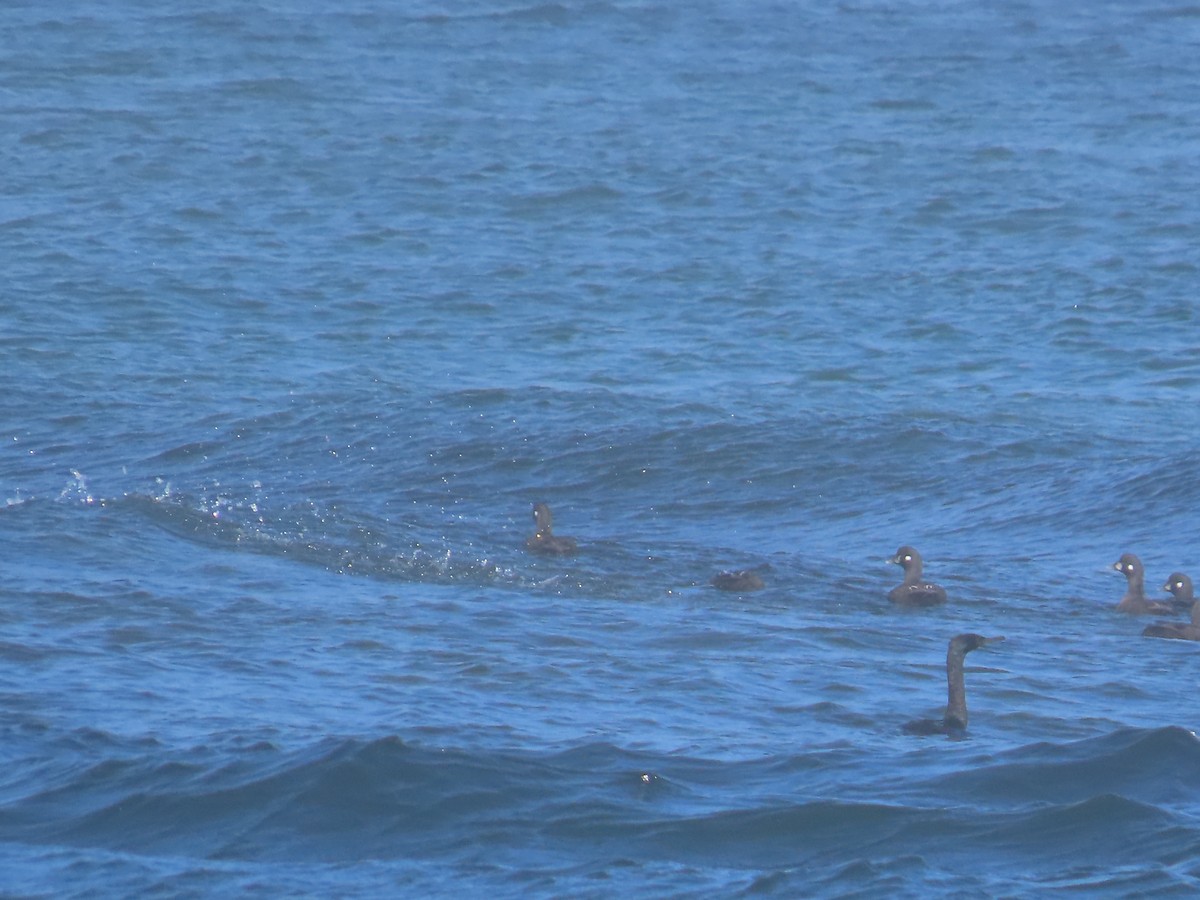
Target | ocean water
(305,305)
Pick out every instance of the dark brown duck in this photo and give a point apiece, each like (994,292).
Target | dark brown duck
(1180,587)
(913,591)
(1134,602)
(544,540)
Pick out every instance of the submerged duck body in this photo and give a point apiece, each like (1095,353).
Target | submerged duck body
(544,540)
(1134,602)
(1180,587)
(1173,631)
(741,580)
(954,721)
(913,591)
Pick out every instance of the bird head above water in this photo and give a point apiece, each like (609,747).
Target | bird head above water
(965,643)
(544,540)
(1129,566)
(542,519)
(1179,585)
(907,558)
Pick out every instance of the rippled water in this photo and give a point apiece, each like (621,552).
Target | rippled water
(305,308)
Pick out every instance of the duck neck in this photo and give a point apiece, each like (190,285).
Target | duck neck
(1137,587)
(912,574)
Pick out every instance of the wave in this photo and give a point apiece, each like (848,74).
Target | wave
(1156,766)
(1122,802)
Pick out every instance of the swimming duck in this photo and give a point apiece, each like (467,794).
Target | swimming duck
(914,591)
(544,539)
(1181,587)
(1134,602)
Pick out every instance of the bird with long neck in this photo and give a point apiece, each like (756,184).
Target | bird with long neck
(954,721)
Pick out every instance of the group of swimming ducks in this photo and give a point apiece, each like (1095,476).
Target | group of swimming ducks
(915,592)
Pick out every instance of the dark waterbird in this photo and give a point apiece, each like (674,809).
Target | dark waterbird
(954,722)
(914,591)
(1180,587)
(544,540)
(1134,602)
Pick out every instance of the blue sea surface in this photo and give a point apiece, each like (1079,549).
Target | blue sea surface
(305,306)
